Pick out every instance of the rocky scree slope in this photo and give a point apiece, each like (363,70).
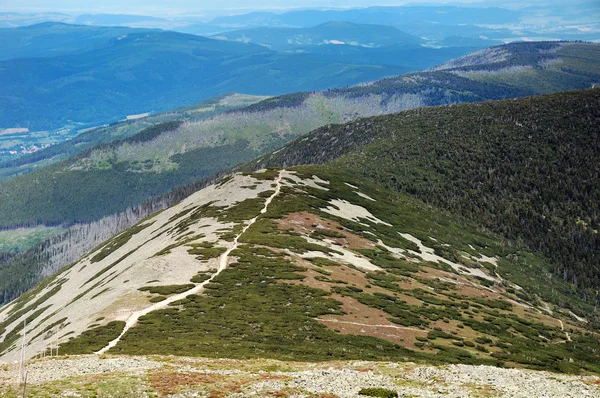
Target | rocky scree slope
(120,376)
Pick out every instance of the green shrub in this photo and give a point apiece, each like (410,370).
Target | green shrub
(166,290)
(157,299)
(92,340)
(378,392)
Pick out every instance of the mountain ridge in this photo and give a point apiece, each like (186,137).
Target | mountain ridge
(330,253)
(332,33)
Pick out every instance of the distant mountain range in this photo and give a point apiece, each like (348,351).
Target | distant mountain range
(539,20)
(68,76)
(330,33)
(152,71)
(50,39)
(358,43)
(391,16)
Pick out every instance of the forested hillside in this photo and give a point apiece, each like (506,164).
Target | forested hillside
(53,39)
(528,169)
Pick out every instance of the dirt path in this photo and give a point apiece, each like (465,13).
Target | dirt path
(223,261)
(562,327)
(371,325)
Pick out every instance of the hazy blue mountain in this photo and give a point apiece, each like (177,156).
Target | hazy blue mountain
(359,43)
(202,29)
(427,22)
(413,57)
(157,71)
(52,38)
(15,19)
(327,34)
(115,19)
(461,41)
(392,16)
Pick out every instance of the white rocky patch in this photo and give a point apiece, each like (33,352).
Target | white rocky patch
(428,254)
(396,252)
(341,254)
(346,256)
(486,259)
(362,195)
(344,209)
(314,182)
(580,319)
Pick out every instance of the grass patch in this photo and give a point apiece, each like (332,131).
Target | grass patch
(157,299)
(378,393)
(205,250)
(166,290)
(202,276)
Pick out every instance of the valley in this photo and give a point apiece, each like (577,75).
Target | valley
(377,201)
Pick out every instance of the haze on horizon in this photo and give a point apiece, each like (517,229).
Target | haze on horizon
(177,7)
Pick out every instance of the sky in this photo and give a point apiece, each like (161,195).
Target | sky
(157,7)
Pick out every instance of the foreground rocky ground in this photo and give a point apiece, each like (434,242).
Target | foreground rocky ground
(116,376)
